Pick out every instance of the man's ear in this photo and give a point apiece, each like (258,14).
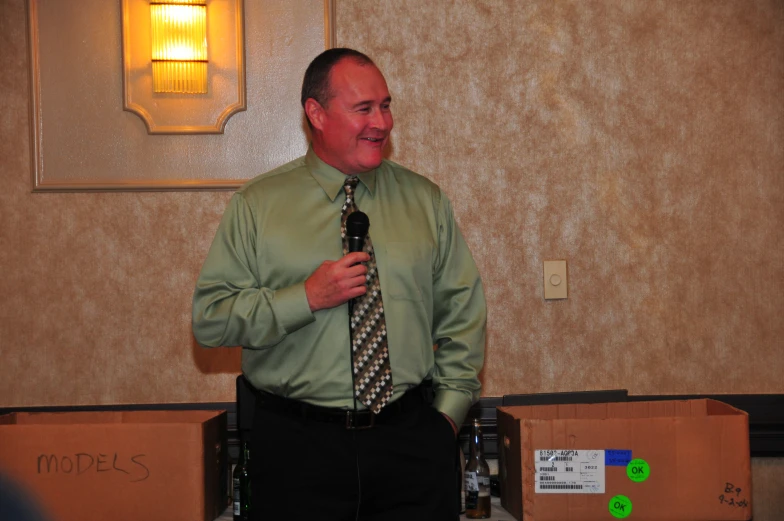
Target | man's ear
(315,113)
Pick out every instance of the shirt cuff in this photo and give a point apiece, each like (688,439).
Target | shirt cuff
(454,404)
(291,307)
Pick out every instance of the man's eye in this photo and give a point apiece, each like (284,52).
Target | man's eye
(385,106)
(364,110)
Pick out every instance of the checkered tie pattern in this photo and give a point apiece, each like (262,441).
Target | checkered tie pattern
(372,370)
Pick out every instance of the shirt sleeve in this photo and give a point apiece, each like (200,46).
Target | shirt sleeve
(459,320)
(229,306)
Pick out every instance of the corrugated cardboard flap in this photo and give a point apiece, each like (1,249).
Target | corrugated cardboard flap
(106,417)
(651,409)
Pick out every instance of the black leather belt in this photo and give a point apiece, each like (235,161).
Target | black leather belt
(411,400)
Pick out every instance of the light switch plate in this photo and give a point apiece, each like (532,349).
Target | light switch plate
(555,284)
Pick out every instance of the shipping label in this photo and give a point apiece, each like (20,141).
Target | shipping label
(566,471)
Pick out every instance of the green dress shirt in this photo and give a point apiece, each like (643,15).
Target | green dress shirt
(280,226)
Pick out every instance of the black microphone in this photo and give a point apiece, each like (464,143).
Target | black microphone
(357,226)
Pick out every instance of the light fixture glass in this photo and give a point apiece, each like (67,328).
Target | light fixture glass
(179,46)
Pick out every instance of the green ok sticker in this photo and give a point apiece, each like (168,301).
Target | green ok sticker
(620,506)
(638,470)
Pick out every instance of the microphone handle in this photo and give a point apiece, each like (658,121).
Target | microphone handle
(355,244)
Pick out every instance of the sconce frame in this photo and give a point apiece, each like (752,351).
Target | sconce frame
(164,113)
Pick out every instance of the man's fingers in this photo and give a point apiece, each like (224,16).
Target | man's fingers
(354,258)
(356,291)
(356,281)
(357,270)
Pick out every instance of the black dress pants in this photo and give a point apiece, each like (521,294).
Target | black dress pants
(403,469)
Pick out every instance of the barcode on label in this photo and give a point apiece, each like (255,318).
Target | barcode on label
(546,478)
(548,469)
(551,486)
(569,469)
(556,458)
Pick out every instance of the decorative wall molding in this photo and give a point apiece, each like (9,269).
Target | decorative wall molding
(95,126)
(186,113)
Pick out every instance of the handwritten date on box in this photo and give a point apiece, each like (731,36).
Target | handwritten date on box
(731,496)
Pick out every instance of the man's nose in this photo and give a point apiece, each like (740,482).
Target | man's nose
(382,120)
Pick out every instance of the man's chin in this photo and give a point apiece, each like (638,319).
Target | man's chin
(369,167)
(371,163)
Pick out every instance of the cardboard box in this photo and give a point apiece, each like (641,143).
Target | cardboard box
(573,462)
(122,466)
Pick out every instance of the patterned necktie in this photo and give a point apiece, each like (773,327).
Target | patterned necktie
(372,371)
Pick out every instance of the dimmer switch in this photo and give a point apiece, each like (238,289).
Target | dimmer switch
(555,286)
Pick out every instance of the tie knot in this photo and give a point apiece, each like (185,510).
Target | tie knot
(350,184)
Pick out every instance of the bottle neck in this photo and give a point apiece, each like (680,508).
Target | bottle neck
(245,452)
(476,441)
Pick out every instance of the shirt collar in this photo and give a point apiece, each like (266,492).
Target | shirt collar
(331,179)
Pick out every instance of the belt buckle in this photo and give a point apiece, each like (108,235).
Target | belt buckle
(352,424)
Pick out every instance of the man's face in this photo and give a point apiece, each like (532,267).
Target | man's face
(352,130)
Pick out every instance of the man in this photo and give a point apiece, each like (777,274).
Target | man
(278,282)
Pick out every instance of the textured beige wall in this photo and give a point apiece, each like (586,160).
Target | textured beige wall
(96,287)
(640,141)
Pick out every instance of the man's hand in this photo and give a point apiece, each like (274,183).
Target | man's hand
(336,282)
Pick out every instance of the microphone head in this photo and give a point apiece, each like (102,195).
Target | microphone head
(357,224)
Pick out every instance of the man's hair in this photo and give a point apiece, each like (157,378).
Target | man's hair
(316,83)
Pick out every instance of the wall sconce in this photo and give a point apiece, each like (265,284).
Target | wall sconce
(165,63)
(179,46)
